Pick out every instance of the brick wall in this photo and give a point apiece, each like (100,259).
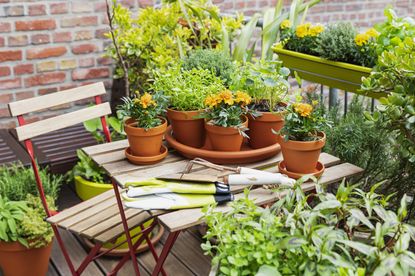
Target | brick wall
(46,46)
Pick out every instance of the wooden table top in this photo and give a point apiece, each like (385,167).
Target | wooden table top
(111,157)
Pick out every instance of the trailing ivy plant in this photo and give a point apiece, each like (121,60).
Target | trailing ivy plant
(187,89)
(347,233)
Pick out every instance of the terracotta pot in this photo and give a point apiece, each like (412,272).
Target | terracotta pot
(301,157)
(225,138)
(17,260)
(260,129)
(186,129)
(145,142)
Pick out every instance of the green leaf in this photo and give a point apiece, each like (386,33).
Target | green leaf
(386,266)
(361,247)
(267,270)
(329,204)
(291,242)
(361,217)
(244,39)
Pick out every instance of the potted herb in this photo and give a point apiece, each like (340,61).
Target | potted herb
(145,125)
(225,119)
(301,137)
(25,238)
(266,83)
(293,237)
(187,90)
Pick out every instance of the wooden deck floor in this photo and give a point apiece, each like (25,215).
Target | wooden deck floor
(185,259)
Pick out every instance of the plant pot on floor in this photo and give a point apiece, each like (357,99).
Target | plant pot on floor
(145,142)
(18,260)
(301,156)
(186,128)
(225,138)
(260,129)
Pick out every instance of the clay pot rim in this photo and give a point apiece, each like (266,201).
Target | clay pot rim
(180,115)
(304,145)
(16,246)
(131,130)
(225,130)
(268,117)
(144,160)
(283,169)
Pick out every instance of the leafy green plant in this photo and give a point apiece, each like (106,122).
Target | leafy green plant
(16,182)
(395,75)
(216,61)
(145,110)
(12,213)
(303,122)
(94,126)
(265,81)
(158,37)
(187,89)
(88,169)
(347,233)
(226,108)
(393,31)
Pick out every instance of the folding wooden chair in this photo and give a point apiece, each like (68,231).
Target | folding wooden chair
(94,213)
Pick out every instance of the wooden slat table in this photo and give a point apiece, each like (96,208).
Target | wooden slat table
(111,157)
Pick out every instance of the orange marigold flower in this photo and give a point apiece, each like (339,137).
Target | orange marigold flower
(147,100)
(227,97)
(211,101)
(303,109)
(242,98)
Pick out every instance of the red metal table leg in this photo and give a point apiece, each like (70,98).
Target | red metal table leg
(152,249)
(171,239)
(126,229)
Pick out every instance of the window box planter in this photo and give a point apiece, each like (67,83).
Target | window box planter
(334,74)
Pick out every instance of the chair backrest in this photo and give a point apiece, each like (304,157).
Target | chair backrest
(26,131)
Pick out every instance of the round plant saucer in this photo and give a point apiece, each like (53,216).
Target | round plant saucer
(146,160)
(245,155)
(317,173)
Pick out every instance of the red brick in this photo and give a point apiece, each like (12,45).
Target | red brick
(40,39)
(6,98)
(104,61)
(10,84)
(45,52)
(18,40)
(5,27)
(100,7)
(5,71)
(37,10)
(84,35)
(1,42)
(14,10)
(101,33)
(84,49)
(79,21)
(47,78)
(4,112)
(81,7)
(86,62)
(93,73)
(44,91)
(22,69)
(58,8)
(10,55)
(36,25)
(62,37)
(24,95)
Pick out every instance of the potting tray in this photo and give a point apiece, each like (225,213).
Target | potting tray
(245,155)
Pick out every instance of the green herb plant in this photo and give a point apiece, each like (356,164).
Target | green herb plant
(88,169)
(395,75)
(216,61)
(94,126)
(12,214)
(350,232)
(187,89)
(266,82)
(145,110)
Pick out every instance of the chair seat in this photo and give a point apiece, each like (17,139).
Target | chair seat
(99,218)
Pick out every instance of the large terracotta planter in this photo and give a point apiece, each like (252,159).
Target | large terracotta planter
(17,260)
(145,142)
(260,129)
(301,157)
(186,129)
(225,138)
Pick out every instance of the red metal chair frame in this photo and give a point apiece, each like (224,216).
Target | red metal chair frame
(93,254)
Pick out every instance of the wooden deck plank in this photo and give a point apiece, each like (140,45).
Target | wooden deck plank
(52,270)
(77,254)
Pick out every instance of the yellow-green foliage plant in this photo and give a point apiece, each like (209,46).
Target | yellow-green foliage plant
(157,37)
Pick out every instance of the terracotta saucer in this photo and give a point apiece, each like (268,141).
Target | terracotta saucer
(146,160)
(245,155)
(317,173)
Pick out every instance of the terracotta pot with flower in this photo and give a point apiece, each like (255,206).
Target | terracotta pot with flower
(145,124)
(301,139)
(225,119)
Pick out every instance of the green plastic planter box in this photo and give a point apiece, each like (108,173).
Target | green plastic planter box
(334,74)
